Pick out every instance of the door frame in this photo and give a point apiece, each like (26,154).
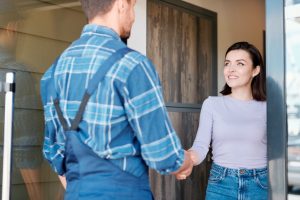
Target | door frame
(276,102)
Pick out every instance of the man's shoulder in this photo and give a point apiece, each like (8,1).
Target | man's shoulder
(138,57)
(133,63)
(102,47)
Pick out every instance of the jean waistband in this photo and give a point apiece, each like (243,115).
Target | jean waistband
(240,171)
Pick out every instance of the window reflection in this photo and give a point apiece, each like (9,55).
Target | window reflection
(292,23)
(32,35)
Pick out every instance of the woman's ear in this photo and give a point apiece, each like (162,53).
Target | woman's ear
(256,71)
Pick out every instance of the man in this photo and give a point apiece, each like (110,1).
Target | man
(124,128)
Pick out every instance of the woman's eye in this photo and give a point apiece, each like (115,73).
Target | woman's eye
(240,64)
(226,64)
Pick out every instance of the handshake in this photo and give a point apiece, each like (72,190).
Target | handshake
(190,159)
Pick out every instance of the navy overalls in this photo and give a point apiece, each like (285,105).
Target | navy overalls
(90,177)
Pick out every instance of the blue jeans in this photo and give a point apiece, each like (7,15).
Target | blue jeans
(237,184)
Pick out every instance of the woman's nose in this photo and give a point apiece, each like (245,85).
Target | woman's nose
(231,68)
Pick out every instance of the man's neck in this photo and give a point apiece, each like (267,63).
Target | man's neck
(108,20)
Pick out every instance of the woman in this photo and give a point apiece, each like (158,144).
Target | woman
(235,126)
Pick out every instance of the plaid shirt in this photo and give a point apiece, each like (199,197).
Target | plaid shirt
(125,119)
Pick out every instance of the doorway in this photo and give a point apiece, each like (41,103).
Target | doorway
(181,42)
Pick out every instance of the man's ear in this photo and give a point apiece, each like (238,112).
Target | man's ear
(121,5)
(256,71)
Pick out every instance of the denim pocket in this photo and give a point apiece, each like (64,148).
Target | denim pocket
(215,176)
(262,180)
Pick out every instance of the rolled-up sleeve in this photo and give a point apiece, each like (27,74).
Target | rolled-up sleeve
(160,146)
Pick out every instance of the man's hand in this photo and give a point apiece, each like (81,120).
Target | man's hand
(63,181)
(187,167)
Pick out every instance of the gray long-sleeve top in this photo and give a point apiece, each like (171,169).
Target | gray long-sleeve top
(236,129)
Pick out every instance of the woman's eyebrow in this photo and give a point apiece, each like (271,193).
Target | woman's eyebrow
(241,60)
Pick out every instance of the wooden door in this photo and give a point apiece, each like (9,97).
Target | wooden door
(181,42)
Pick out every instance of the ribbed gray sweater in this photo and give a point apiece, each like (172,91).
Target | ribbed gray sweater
(236,130)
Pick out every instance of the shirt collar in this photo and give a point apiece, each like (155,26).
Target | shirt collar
(98,29)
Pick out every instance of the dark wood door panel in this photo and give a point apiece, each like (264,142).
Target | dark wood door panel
(181,47)
(181,42)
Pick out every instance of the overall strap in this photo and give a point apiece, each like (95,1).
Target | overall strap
(93,84)
(56,99)
(97,78)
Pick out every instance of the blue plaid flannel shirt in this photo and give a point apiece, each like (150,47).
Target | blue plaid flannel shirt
(125,119)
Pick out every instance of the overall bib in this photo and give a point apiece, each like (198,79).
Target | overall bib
(90,177)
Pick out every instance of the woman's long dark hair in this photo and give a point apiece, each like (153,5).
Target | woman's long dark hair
(258,84)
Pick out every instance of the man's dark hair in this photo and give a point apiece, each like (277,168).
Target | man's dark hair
(93,7)
(258,85)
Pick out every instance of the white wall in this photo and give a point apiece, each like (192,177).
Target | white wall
(237,20)
(137,39)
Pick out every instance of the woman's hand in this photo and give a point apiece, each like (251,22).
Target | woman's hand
(187,167)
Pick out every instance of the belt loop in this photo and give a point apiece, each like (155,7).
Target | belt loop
(224,172)
(254,172)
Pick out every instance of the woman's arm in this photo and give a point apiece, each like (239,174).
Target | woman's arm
(204,134)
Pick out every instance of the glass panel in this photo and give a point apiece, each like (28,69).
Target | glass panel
(292,21)
(32,34)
